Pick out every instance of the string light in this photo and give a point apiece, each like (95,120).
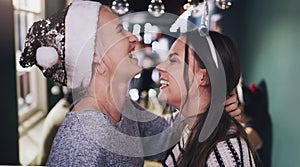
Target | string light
(120,7)
(223,4)
(156,8)
(193,4)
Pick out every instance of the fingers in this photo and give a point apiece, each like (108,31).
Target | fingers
(232,98)
(233,92)
(236,114)
(231,102)
(238,118)
(232,106)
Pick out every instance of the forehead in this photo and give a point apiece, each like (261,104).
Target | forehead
(107,18)
(178,46)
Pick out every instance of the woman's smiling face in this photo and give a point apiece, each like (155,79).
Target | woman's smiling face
(116,44)
(173,88)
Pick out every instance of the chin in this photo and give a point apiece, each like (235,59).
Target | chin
(139,69)
(128,71)
(162,97)
(136,70)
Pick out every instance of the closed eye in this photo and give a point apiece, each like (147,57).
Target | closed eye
(172,59)
(119,28)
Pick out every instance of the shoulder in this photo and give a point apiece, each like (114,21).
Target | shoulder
(71,133)
(76,123)
(231,152)
(76,127)
(73,143)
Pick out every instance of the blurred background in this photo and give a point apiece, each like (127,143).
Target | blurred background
(266,32)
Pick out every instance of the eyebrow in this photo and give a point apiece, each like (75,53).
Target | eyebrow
(173,54)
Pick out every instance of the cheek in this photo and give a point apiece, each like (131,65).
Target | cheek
(113,41)
(118,53)
(177,83)
(176,90)
(177,79)
(179,88)
(120,47)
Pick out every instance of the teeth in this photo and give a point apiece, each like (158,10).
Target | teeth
(163,82)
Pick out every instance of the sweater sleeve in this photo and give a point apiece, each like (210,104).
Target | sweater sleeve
(232,152)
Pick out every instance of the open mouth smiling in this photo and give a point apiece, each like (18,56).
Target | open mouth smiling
(164,83)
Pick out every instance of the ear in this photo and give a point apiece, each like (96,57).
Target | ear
(202,77)
(99,65)
(96,59)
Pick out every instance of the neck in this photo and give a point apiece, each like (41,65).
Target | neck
(104,106)
(107,97)
(194,106)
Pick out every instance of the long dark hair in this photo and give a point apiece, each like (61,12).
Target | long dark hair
(196,153)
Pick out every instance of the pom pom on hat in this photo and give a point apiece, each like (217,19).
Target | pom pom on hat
(46,56)
(62,46)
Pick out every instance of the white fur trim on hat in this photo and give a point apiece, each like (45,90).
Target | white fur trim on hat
(81,27)
(46,56)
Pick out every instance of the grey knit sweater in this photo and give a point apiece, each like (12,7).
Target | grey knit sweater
(90,138)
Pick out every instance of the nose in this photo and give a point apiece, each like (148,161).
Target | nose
(161,68)
(132,38)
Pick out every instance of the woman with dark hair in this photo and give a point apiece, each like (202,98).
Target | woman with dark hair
(93,55)
(187,85)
